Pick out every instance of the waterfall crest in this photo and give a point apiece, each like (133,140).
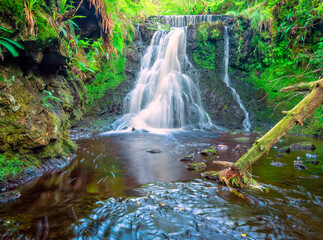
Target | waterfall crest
(246,122)
(165,96)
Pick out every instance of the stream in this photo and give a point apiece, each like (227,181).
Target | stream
(115,189)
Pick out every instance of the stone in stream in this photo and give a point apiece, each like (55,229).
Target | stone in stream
(303,146)
(189,158)
(213,175)
(156,150)
(9,196)
(238,149)
(315,162)
(308,155)
(242,139)
(285,149)
(222,147)
(196,166)
(277,164)
(209,152)
(299,165)
(279,155)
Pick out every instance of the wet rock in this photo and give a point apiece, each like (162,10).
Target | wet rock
(189,158)
(242,139)
(285,149)
(222,147)
(279,155)
(299,158)
(196,166)
(224,163)
(209,152)
(156,150)
(308,155)
(303,146)
(213,175)
(299,165)
(315,162)
(9,196)
(277,164)
(238,149)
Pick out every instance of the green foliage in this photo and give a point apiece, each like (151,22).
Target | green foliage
(110,76)
(9,44)
(50,97)
(204,55)
(9,167)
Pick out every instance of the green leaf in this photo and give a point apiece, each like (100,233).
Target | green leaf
(9,47)
(18,45)
(4,29)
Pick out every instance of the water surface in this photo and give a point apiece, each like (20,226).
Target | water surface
(98,194)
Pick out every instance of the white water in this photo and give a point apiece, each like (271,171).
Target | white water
(246,122)
(165,96)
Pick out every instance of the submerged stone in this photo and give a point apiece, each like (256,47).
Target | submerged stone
(277,164)
(315,162)
(222,147)
(299,165)
(156,150)
(196,166)
(303,146)
(308,155)
(189,158)
(242,139)
(9,196)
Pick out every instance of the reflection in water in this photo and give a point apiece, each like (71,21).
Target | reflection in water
(109,167)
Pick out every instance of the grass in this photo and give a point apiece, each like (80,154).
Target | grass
(9,167)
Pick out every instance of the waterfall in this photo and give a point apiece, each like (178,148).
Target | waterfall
(246,122)
(164,96)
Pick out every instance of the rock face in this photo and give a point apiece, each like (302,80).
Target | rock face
(207,55)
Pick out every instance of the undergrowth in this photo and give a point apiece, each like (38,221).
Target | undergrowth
(9,167)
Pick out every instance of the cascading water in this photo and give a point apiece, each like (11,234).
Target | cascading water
(246,122)
(165,96)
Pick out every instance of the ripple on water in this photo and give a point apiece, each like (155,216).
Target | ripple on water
(199,210)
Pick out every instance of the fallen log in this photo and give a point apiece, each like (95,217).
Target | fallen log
(238,172)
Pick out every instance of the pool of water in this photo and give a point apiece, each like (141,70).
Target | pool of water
(115,189)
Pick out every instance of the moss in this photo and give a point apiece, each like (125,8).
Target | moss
(14,7)
(9,167)
(196,166)
(204,55)
(242,139)
(209,152)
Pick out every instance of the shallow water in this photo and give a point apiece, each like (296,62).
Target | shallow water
(103,193)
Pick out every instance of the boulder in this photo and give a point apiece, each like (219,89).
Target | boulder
(303,146)
(196,166)
(189,158)
(285,149)
(299,165)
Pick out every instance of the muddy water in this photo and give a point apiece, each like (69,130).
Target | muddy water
(115,189)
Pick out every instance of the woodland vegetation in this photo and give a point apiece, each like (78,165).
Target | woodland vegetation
(287,42)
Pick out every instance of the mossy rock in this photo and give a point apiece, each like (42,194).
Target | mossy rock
(303,146)
(189,158)
(196,166)
(285,149)
(213,175)
(209,152)
(242,139)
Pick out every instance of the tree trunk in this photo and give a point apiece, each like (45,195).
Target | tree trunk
(295,116)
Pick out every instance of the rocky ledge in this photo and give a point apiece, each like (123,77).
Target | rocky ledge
(30,174)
